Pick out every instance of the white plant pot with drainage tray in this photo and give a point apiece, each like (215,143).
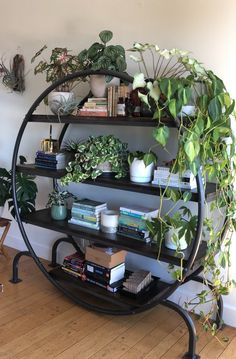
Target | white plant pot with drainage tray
(170,243)
(139,172)
(57,100)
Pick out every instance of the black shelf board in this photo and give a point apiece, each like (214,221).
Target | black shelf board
(42,218)
(122,184)
(111,121)
(76,285)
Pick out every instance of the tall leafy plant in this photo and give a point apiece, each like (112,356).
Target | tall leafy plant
(206,141)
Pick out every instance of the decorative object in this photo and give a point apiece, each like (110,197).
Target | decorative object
(14,76)
(59,101)
(201,146)
(49,144)
(89,154)
(57,200)
(142,166)
(109,221)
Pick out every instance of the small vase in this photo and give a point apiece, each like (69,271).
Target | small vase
(98,85)
(170,244)
(56,101)
(58,212)
(139,173)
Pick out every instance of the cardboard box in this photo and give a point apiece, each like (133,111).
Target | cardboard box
(105,256)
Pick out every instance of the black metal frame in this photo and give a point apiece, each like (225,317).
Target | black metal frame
(162,297)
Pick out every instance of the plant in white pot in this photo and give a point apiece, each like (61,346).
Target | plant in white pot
(61,63)
(57,201)
(142,166)
(101,56)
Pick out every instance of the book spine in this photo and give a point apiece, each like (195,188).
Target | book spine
(137,213)
(84,224)
(89,221)
(71,272)
(132,222)
(132,231)
(78,211)
(107,287)
(89,207)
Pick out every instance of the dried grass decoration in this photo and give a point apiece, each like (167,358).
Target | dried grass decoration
(14,76)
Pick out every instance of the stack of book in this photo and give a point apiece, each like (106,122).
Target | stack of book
(50,160)
(132,222)
(74,265)
(137,281)
(87,213)
(164,177)
(114,93)
(95,106)
(105,267)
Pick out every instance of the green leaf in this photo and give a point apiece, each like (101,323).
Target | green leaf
(106,36)
(161,135)
(214,109)
(172,107)
(187,196)
(191,149)
(154,90)
(144,98)
(149,158)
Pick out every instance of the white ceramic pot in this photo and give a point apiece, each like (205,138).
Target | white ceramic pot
(1,211)
(169,243)
(57,100)
(139,173)
(188,110)
(98,85)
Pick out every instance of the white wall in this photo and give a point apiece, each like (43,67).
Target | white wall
(207,28)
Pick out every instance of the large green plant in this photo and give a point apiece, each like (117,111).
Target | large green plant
(102,56)
(26,191)
(205,141)
(91,153)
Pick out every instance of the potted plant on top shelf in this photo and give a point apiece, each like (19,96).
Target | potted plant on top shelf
(60,64)
(102,56)
(178,79)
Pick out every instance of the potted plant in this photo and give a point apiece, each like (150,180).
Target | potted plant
(57,201)
(201,145)
(102,56)
(92,155)
(60,64)
(141,166)
(26,190)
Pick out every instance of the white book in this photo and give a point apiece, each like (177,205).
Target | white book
(142,211)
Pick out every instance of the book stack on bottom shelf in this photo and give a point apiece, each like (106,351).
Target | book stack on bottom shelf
(74,265)
(132,222)
(95,106)
(105,267)
(87,213)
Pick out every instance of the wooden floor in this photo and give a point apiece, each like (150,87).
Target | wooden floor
(36,321)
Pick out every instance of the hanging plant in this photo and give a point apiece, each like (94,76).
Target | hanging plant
(205,141)
(14,76)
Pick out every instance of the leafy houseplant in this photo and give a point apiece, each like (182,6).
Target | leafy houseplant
(102,56)
(57,200)
(177,79)
(141,166)
(91,153)
(26,190)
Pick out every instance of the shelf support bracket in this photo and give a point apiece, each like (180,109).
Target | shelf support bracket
(15,266)
(68,239)
(191,354)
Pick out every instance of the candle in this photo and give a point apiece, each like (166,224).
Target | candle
(109,221)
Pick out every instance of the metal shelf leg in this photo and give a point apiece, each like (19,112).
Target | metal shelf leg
(191,354)
(15,265)
(68,239)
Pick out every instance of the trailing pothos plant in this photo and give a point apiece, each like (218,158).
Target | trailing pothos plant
(91,153)
(206,141)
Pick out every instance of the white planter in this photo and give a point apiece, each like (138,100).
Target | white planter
(57,100)
(139,173)
(1,211)
(169,242)
(98,85)
(188,110)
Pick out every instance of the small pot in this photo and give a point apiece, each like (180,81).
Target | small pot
(98,85)
(57,100)
(170,244)
(139,173)
(58,212)
(1,211)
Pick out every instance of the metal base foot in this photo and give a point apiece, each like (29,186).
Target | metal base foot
(191,354)
(15,266)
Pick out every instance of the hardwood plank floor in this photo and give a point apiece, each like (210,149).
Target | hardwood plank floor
(37,321)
